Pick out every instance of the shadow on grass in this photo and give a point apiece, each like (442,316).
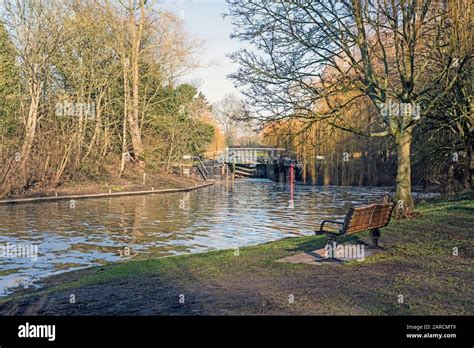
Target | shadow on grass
(321,241)
(467,210)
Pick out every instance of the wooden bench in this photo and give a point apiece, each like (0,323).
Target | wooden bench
(368,217)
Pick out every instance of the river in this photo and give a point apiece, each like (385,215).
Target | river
(73,235)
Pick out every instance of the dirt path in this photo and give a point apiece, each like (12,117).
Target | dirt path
(313,293)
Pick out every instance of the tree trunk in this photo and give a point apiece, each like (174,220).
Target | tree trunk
(404,201)
(327,174)
(469,181)
(304,174)
(125,115)
(133,116)
(98,125)
(31,122)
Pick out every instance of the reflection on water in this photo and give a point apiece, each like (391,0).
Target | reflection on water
(94,231)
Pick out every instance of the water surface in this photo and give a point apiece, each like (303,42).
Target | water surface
(94,231)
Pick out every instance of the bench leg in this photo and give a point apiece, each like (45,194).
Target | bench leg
(375,235)
(332,259)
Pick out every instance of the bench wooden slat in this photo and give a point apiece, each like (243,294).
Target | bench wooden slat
(367,217)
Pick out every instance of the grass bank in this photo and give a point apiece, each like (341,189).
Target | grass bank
(420,273)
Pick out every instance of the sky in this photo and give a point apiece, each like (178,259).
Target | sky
(203,21)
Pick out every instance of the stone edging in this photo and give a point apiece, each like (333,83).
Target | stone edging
(101,195)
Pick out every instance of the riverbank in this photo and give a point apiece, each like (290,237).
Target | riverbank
(119,193)
(132,181)
(427,269)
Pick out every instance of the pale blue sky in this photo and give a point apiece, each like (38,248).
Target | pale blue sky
(203,21)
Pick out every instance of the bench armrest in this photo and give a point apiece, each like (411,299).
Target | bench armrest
(321,228)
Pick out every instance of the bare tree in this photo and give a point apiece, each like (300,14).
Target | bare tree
(315,60)
(227,112)
(119,60)
(37,32)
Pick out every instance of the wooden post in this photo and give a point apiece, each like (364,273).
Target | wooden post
(292,173)
(144,178)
